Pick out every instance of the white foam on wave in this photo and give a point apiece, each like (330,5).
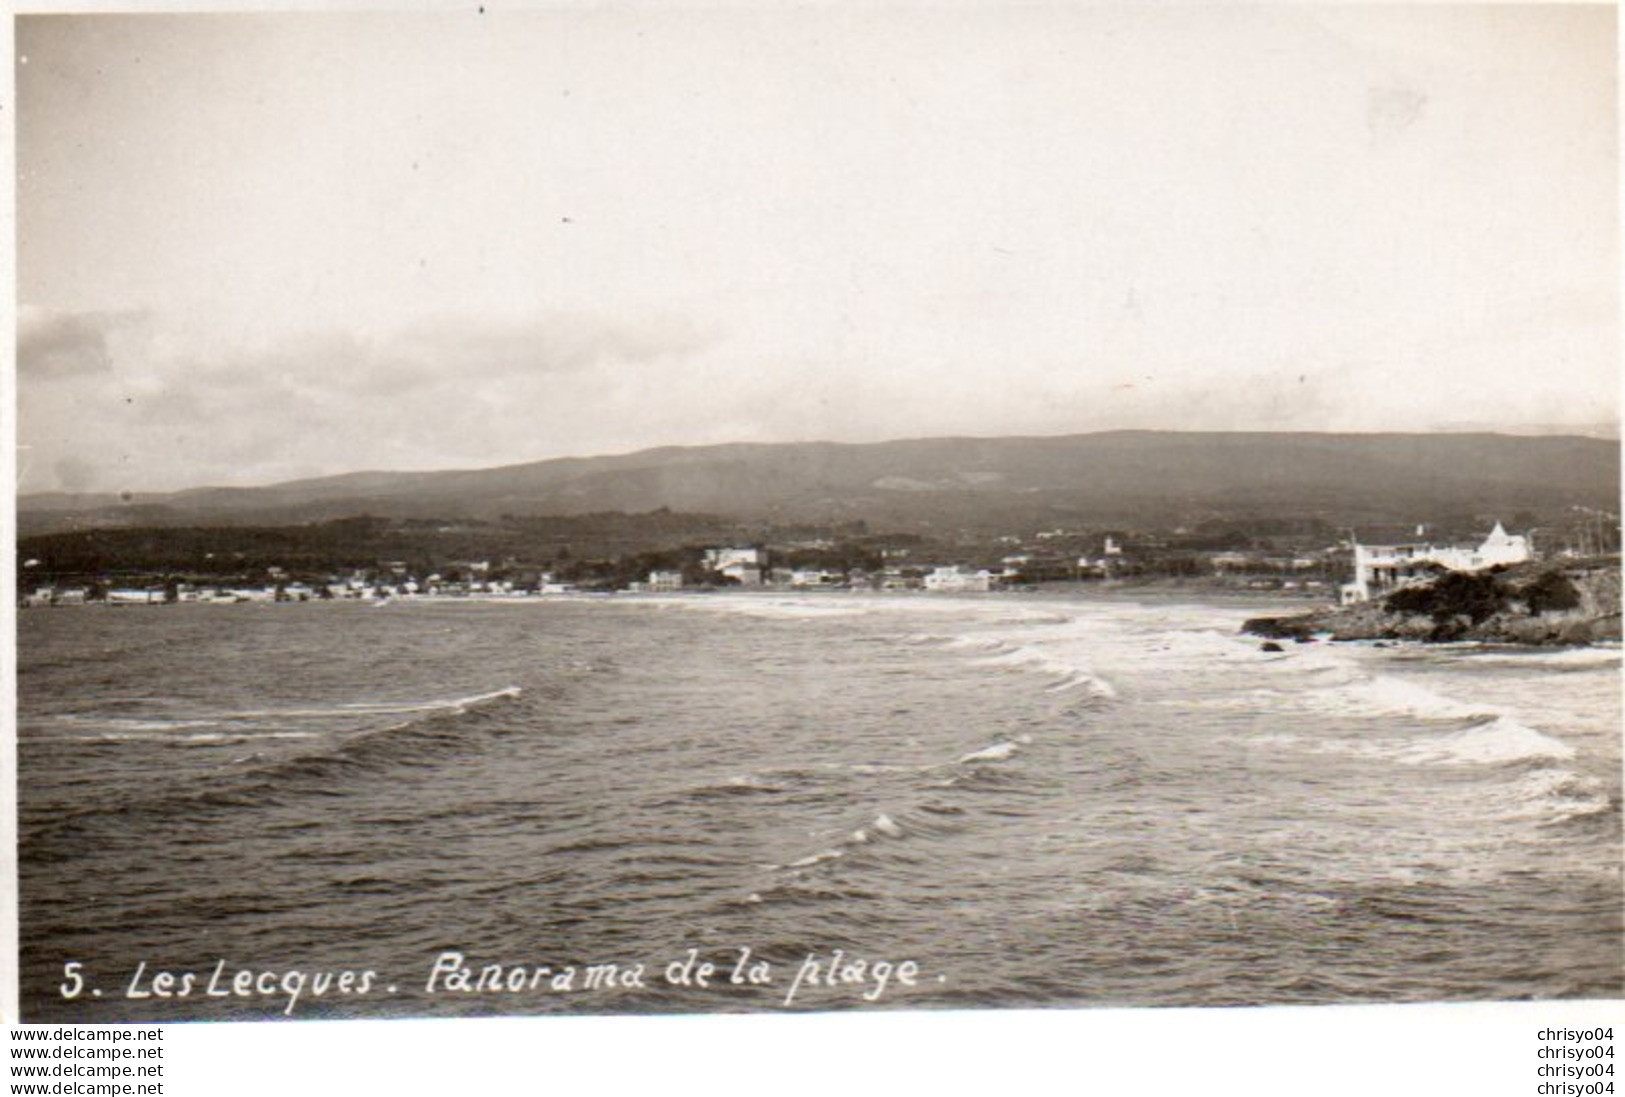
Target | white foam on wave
(1068,673)
(1358,695)
(1567,658)
(202,738)
(1554,795)
(1495,741)
(765,606)
(1034,617)
(459,703)
(998,752)
(882,825)
(228,727)
(870,768)
(1095,684)
(377,708)
(128,723)
(1333,683)
(1403,698)
(979,643)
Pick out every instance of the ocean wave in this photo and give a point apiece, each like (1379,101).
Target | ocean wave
(200,738)
(1550,795)
(883,825)
(1398,697)
(817,858)
(1034,617)
(734,787)
(817,607)
(1496,740)
(229,727)
(376,708)
(131,727)
(436,732)
(1334,690)
(1586,658)
(1069,674)
(133,723)
(979,643)
(871,768)
(997,752)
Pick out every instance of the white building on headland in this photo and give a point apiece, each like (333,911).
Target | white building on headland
(1381,568)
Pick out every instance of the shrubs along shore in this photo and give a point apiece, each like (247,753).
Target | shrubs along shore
(1538,603)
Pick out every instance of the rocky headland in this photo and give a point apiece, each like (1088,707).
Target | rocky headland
(1536,603)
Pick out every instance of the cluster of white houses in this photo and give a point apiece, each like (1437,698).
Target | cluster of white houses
(356,588)
(1381,564)
(748,567)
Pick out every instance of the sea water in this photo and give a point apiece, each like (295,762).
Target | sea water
(576,805)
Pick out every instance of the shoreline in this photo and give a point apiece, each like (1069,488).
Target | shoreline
(1060,589)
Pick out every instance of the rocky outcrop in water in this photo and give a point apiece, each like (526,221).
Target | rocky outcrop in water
(1536,603)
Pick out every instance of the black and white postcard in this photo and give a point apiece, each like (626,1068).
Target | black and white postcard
(613,509)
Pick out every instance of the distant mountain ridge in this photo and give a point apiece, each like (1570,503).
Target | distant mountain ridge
(1126,477)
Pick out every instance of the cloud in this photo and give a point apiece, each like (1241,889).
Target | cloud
(433,353)
(440,392)
(54,343)
(553,343)
(158,405)
(74,474)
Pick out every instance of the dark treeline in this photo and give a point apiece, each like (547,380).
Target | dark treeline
(608,549)
(614,549)
(360,543)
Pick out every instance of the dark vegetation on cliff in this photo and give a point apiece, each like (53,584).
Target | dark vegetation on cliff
(1575,602)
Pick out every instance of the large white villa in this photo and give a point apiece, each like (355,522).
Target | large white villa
(1381,568)
(742,564)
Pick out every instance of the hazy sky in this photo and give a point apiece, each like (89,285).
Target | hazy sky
(259,247)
